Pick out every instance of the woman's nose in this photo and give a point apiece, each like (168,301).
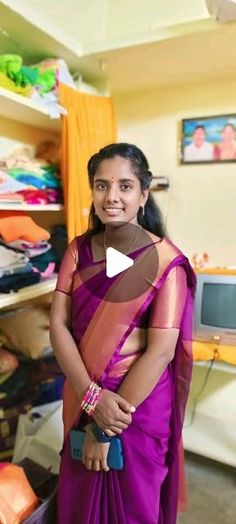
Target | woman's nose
(112,194)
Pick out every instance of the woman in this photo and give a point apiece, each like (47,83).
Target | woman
(137,349)
(226,149)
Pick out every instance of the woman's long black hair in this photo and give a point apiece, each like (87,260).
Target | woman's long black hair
(152,219)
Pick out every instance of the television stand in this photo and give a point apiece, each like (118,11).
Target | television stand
(210,420)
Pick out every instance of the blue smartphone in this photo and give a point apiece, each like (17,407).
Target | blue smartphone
(115,459)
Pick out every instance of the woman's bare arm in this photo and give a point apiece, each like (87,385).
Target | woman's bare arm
(111,409)
(162,334)
(64,346)
(146,372)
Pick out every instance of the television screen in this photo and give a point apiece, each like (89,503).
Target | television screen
(219,305)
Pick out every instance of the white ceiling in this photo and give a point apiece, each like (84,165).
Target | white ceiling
(190,58)
(104,22)
(133,45)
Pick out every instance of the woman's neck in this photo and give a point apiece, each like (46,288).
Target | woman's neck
(121,236)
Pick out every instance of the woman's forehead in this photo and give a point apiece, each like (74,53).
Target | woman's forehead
(116,167)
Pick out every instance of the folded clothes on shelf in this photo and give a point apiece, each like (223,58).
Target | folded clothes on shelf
(34,382)
(8,362)
(36,181)
(17,498)
(17,224)
(9,185)
(10,283)
(12,263)
(26,330)
(30,249)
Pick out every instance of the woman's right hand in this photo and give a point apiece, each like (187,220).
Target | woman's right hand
(112,413)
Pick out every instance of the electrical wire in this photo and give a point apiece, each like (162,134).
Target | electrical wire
(195,400)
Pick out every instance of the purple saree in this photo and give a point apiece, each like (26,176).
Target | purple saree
(146,490)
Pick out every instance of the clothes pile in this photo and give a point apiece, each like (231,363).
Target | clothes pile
(26,256)
(24,179)
(39,81)
(34,382)
(29,374)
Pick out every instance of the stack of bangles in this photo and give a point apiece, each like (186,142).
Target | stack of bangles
(91,398)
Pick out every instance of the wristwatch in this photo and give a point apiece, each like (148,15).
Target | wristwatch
(99,434)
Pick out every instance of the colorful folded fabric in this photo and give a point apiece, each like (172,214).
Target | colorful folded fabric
(26,331)
(16,224)
(41,262)
(17,499)
(16,270)
(48,272)
(9,258)
(11,198)
(8,361)
(9,283)
(30,249)
(7,83)
(41,196)
(9,185)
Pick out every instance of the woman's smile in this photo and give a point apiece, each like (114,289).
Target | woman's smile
(113,211)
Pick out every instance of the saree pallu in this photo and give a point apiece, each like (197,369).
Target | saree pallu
(146,490)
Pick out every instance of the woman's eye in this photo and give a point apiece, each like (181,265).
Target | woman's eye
(126,187)
(100,186)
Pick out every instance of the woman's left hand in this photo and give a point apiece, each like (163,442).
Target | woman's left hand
(95,453)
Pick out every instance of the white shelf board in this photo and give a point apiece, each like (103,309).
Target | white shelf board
(217,366)
(28,293)
(30,207)
(22,109)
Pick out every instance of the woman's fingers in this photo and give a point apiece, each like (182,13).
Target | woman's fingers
(112,431)
(96,465)
(120,425)
(88,464)
(124,418)
(104,465)
(121,420)
(109,433)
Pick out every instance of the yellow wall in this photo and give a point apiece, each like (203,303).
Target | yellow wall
(24,133)
(200,207)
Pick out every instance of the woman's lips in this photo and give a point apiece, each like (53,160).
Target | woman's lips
(113,211)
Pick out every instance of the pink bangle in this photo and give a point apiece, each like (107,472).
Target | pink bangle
(90,409)
(88,393)
(91,397)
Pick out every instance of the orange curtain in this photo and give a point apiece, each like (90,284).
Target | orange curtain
(88,126)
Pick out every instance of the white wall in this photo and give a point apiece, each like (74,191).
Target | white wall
(200,207)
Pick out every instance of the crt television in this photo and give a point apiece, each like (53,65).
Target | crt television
(215,308)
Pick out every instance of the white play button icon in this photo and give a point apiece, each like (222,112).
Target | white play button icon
(116,262)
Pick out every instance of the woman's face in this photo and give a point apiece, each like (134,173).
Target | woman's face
(228,134)
(117,192)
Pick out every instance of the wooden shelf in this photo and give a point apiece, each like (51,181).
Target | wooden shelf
(28,293)
(31,207)
(21,109)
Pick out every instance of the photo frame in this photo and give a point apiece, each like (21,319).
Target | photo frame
(207,140)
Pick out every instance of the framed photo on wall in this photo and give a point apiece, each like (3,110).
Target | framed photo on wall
(209,139)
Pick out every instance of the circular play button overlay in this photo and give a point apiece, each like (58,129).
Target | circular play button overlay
(125,262)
